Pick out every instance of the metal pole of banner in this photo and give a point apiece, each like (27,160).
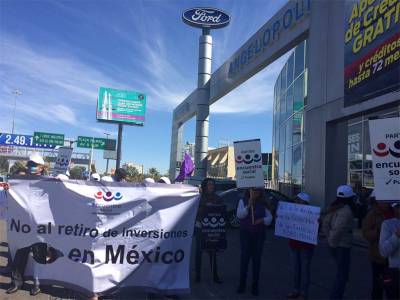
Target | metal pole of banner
(118,164)
(107,135)
(91,158)
(203,107)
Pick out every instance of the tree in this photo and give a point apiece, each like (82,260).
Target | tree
(4,165)
(18,166)
(76,172)
(133,174)
(153,173)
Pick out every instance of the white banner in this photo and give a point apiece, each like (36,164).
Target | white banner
(248,162)
(385,150)
(297,222)
(106,234)
(63,160)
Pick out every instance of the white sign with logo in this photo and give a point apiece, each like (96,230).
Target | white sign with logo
(63,160)
(105,235)
(385,150)
(248,162)
(110,154)
(297,222)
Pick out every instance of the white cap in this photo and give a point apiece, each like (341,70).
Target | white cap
(67,173)
(95,177)
(345,191)
(107,179)
(62,176)
(164,179)
(395,204)
(304,196)
(36,158)
(149,180)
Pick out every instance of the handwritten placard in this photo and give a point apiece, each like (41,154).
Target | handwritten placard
(298,222)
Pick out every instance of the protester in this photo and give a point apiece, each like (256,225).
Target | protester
(389,246)
(119,176)
(165,180)
(208,197)
(35,167)
(371,228)
(254,216)
(338,227)
(95,177)
(148,180)
(302,256)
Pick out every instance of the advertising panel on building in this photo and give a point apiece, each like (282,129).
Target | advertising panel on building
(372,49)
(119,106)
(385,145)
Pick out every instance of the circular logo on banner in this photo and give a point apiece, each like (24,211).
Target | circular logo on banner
(205,17)
(248,158)
(107,196)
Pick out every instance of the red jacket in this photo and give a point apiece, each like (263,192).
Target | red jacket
(300,245)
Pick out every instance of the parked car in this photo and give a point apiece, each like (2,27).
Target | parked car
(231,200)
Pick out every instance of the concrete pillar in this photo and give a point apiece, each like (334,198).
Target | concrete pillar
(203,107)
(176,149)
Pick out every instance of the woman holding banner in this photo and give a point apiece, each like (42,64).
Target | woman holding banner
(254,216)
(302,256)
(208,197)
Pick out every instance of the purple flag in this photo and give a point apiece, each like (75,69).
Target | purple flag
(187,168)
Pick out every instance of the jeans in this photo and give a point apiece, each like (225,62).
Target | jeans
(377,272)
(251,245)
(199,254)
(341,255)
(302,263)
(39,251)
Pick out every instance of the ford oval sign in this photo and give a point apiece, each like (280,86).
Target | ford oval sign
(205,17)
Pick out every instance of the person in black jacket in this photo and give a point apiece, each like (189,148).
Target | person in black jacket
(208,197)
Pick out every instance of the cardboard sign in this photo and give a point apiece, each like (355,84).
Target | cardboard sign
(213,229)
(63,160)
(385,151)
(248,162)
(297,222)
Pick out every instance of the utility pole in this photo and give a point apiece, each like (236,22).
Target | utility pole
(107,135)
(16,94)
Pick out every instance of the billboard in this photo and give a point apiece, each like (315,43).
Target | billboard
(371,49)
(119,106)
(22,140)
(385,150)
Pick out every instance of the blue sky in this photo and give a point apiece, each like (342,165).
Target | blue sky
(58,54)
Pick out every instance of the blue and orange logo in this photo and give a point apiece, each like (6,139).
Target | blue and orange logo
(383,150)
(107,196)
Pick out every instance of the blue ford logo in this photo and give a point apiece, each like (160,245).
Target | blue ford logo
(205,17)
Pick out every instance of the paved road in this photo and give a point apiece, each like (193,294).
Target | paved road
(275,283)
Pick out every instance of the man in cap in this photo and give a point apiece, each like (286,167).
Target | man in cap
(35,167)
(164,179)
(338,228)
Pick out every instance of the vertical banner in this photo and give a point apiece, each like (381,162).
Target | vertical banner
(297,222)
(63,160)
(213,229)
(371,49)
(248,164)
(385,150)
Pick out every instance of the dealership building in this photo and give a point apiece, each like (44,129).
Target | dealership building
(344,69)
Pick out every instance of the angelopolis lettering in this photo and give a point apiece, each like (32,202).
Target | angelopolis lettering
(205,17)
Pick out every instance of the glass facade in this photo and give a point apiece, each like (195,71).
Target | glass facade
(359,160)
(288,145)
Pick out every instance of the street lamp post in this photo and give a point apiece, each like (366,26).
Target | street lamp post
(16,94)
(107,135)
